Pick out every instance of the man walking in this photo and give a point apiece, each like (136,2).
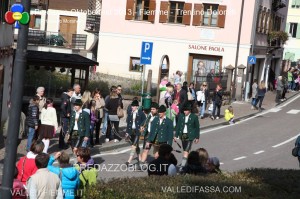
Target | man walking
(161,131)
(79,126)
(65,116)
(188,131)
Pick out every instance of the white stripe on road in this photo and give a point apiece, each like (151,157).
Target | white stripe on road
(293,111)
(221,163)
(258,152)
(239,158)
(287,141)
(114,153)
(275,110)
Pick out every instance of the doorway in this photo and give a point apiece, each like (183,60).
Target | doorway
(68,27)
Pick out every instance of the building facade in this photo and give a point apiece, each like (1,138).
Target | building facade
(197,36)
(292,47)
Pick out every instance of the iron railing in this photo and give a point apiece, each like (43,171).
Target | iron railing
(74,41)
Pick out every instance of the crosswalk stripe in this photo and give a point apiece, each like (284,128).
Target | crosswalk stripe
(293,111)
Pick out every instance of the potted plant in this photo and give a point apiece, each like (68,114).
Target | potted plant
(277,36)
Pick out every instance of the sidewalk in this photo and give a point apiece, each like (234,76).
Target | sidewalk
(242,110)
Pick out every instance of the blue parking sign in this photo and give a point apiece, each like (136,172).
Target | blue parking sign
(146,52)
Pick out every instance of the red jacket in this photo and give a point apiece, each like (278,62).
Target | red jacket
(26,167)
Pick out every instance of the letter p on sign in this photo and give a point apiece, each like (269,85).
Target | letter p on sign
(146,53)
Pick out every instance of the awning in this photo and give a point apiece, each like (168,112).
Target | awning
(42,58)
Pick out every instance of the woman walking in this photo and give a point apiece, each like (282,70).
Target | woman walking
(261,91)
(48,124)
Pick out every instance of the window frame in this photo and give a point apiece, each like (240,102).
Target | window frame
(133,59)
(142,15)
(210,17)
(177,11)
(293,30)
(33,25)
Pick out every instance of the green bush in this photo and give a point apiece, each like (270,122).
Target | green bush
(252,183)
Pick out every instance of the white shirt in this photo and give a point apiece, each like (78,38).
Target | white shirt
(76,119)
(150,121)
(133,119)
(161,120)
(185,130)
(48,117)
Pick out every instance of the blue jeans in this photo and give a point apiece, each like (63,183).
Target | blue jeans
(260,100)
(202,109)
(31,132)
(105,118)
(218,107)
(254,101)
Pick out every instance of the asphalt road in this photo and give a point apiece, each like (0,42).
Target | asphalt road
(263,141)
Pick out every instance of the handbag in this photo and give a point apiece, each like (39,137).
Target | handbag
(295,151)
(120,111)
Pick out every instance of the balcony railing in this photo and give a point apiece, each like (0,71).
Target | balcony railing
(74,41)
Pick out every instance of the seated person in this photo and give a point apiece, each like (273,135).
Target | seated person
(68,174)
(193,164)
(213,165)
(229,116)
(164,164)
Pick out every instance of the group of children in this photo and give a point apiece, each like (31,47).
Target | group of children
(36,177)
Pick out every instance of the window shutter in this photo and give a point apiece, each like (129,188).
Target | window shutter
(129,10)
(197,17)
(259,16)
(163,17)
(187,9)
(221,16)
(152,9)
(32,20)
(298,31)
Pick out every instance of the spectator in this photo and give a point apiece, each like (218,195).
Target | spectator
(279,89)
(40,91)
(49,123)
(113,121)
(185,86)
(94,118)
(254,94)
(26,165)
(193,164)
(88,173)
(213,165)
(229,116)
(86,100)
(21,128)
(174,107)
(44,184)
(76,95)
(203,155)
(260,94)
(164,164)
(202,99)
(68,174)
(100,104)
(105,122)
(217,102)
(32,120)
(181,96)
(79,126)
(65,114)
(177,77)
(119,92)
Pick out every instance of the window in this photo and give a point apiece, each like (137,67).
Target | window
(134,65)
(35,21)
(176,12)
(142,10)
(293,29)
(210,17)
(295,3)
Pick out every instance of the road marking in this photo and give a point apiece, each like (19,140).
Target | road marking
(114,153)
(258,152)
(275,110)
(239,158)
(221,163)
(293,111)
(287,141)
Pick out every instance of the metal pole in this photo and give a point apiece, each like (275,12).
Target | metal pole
(252,48)
(143,78)
(15,110)
(46,20)
(237,50)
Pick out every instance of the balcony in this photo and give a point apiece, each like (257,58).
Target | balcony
(277,38)
(42,38)
(278,4)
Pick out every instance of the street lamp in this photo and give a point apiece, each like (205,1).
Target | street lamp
(237,50)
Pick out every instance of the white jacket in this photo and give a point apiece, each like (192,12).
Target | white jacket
(49,117)
(200,96)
